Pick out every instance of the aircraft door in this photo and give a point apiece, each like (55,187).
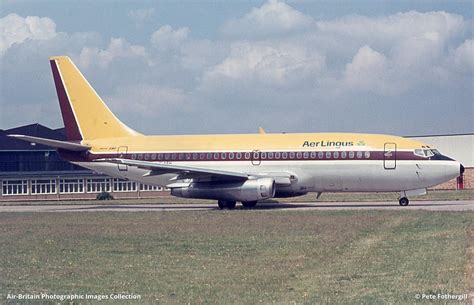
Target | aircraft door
(122,154)
(390,156)
(256,158)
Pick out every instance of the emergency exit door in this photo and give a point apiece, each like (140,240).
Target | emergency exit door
(390,156)
(122,154)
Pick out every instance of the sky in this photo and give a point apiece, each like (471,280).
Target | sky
(189,67)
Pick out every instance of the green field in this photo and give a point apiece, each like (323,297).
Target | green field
(239,257)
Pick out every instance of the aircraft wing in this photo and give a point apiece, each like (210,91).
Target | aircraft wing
(198,173)
(183,172)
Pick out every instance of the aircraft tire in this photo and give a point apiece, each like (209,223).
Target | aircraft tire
(224,204)
(403,201)
(249,204)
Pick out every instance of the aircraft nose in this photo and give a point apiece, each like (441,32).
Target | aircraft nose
(461,169)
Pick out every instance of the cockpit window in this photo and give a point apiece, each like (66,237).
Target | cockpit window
(436,152)
(428,153)
(425,153)
(419,152)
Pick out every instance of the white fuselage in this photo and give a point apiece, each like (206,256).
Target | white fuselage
(315,176)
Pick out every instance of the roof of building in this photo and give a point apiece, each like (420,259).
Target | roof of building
(36,130)
(441,135)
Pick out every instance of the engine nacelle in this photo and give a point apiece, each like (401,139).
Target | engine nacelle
(249,190)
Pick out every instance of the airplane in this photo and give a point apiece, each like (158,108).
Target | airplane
(244,168)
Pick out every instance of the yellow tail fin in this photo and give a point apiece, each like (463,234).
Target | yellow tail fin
(85,115)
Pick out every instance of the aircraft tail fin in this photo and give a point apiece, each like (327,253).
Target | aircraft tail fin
(85,115)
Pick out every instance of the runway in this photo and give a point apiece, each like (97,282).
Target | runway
(268,206)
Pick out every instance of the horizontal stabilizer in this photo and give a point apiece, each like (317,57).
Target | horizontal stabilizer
(52,143)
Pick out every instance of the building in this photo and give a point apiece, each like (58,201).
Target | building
(33,171)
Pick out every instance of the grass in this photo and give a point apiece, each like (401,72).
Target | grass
(238,257)
(326,197)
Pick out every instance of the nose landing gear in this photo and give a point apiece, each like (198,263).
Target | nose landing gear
(403,201)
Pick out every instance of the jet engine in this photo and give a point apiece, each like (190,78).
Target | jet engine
(249,190)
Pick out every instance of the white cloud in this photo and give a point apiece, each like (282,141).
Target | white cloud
(15,29)
(167,38)
(368,71)
(274,17)
(464,56)
(147,100)
(118,48)
(387,30)
(279,65)
(140,16)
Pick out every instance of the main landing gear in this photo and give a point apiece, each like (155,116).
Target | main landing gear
(403,201)
(226,204)
(249,204)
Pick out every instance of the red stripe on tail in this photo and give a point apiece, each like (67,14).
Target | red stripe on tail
(72,129)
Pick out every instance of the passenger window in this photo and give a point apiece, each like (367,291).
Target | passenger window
(336,155)
(223,156)
(343,155)
(277,155)
(153,156)
(160,156)
(195,156)
(313,155)
(367,154)
(292,155)
(263,155)
(299,155)
(247,155)
(328,155)
(284,155)
(270,156)
(231,156)
(320,155)
(216,156)
(202,156)
(209,156)
(239,156)
(359,154)
(351,154)
(306,155)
